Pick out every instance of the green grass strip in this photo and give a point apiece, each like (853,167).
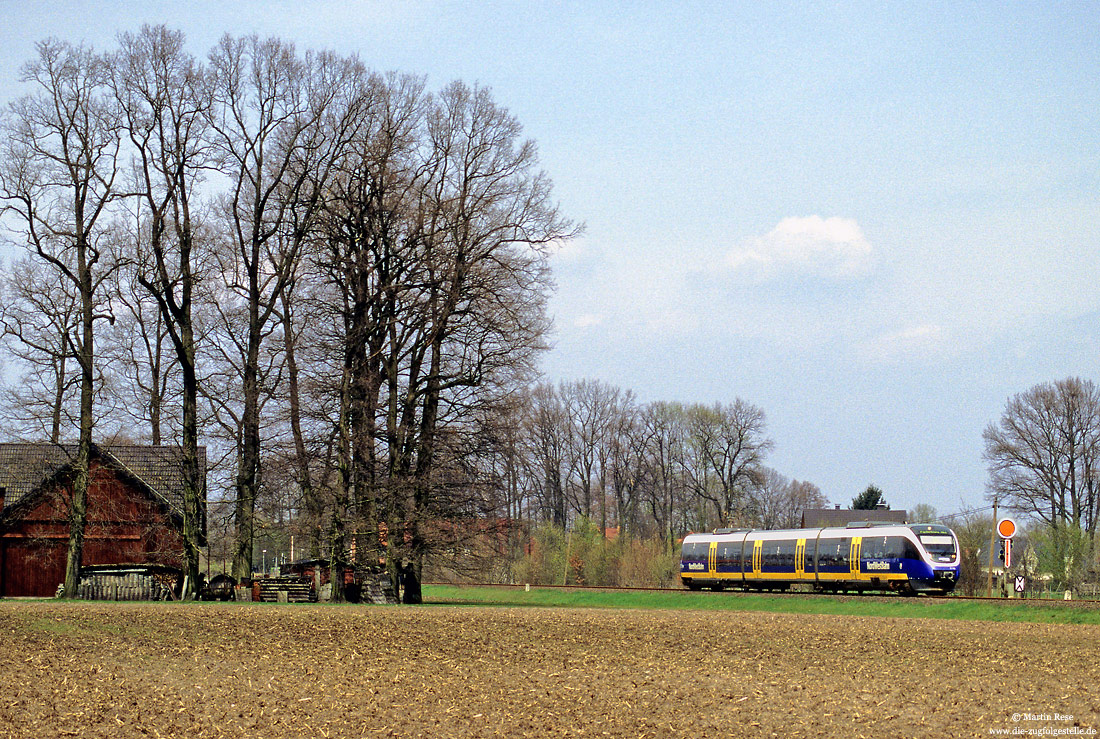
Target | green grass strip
(1046,612)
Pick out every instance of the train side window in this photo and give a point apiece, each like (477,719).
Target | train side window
(786,553)
(833,552)
(844,552)
(769,554)
(874,547)
(729,554)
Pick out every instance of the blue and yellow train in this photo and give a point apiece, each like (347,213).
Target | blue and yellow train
(919,558)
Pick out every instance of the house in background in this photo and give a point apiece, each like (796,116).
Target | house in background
(817,518)
(135,511)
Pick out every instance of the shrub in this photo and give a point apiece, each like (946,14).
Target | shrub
(583,557)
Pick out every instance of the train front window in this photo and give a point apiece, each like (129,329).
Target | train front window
(940,546)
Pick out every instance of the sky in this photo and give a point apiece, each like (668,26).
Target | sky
(876,221)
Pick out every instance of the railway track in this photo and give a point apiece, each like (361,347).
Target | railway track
(869,597)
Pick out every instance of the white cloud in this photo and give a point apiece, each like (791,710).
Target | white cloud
(827,247)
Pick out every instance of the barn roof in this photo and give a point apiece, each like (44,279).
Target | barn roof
(25,467)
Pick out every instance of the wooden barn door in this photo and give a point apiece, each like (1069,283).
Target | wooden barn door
(31,567)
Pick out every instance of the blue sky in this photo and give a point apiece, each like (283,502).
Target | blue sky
(876,221)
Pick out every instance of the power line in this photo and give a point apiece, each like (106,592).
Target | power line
(972,511)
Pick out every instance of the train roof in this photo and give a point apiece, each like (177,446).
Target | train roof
(861,528)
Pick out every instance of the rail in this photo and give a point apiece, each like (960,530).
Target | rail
(1053,602)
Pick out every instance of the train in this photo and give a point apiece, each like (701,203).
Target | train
(862,556)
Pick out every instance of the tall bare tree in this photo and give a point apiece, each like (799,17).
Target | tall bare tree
(61,163)
(666,457)
(434,248)
(370,262)
(489,222)
(591,406)
(269,109)
(165,101)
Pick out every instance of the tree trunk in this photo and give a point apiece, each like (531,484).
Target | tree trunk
(248,471)
(78,511)
(194,487)
(303,474)
(411,592)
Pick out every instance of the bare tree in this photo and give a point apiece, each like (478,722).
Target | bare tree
(780,501)
(59,179)
(973,529)
(1044,460)
(591,406)
(488,224)
(1044,453)
(923,513)
(803,495)
(137,348)
(623,465)
(371,263)
(666,460)
(268,125)
(37,316)
(547,438)
(730,446)
(162,93)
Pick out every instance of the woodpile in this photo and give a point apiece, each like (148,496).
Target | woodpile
(294,589)
(133,584)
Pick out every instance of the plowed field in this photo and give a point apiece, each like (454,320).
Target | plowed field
(129,670)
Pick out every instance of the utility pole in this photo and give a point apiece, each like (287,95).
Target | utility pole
(992,544)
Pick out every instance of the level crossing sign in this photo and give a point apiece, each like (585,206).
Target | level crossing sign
(1021,583)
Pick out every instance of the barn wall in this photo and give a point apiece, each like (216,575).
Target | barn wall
(124,527)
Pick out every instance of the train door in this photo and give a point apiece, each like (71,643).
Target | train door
(757,551)
(853,559)
(712,558)
(800,559)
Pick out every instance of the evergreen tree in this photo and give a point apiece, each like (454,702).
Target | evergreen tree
(869,499)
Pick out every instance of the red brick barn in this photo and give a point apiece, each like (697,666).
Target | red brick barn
(135,511)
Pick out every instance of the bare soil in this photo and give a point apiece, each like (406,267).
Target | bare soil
(132,670)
